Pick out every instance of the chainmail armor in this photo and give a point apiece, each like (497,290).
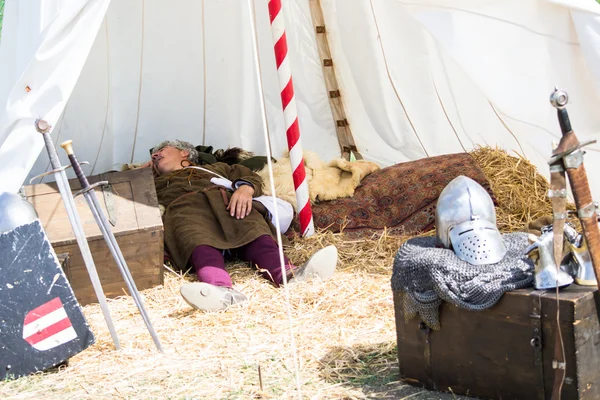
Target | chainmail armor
(425,276)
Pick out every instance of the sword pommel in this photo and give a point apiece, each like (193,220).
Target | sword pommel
(559,99)
(68,146)
(42,126)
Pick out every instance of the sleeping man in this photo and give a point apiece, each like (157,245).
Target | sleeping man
(204,217)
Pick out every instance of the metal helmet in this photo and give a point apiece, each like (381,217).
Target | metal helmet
(465,220)
(15,211)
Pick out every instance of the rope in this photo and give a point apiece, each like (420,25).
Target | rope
(137,119)
(108,87)
(203,77)
(446,114)
(389,74)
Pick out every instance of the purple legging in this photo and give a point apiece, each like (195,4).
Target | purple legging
(263,251)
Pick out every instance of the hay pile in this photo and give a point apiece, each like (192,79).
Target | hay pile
(520,190)
(344,328)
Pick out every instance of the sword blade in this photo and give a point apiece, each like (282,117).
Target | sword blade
(109,237)
(72,214)
(115,250)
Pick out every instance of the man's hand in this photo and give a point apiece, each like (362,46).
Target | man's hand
(240,204)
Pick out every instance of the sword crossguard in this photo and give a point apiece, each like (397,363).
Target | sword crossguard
(91,187)
(54,171)
(556,157)
(559,98)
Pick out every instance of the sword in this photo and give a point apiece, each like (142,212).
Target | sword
(569,156)
(569,150)
(90,196)
(67,197)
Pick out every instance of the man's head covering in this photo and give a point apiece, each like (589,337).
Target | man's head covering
(180,145)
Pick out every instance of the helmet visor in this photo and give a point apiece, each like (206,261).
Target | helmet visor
(477,242)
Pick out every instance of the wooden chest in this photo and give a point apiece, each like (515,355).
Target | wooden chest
(506,352)
(131,200)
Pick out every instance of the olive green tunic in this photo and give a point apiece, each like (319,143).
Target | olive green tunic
(196,213)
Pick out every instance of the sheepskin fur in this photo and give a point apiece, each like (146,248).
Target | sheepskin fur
(326,181)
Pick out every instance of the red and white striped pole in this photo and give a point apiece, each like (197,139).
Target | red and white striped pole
(290,116)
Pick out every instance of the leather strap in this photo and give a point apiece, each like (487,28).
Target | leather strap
(558,197)
(109,202)
(558,364)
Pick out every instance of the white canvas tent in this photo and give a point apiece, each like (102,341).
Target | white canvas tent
(418,79)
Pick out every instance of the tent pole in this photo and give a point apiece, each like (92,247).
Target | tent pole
(342,128)
(290,116)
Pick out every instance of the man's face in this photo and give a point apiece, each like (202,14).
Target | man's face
(168,159)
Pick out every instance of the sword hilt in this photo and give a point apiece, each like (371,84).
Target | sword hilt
(559,99)
(68,146)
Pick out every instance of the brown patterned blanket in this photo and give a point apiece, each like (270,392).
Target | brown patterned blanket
(401,197)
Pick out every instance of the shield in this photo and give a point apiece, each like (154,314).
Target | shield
(41,322)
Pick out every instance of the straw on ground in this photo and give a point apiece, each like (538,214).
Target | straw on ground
(345,328)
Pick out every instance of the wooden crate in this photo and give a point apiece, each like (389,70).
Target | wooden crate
(138,230)
(65,264)
(495,354)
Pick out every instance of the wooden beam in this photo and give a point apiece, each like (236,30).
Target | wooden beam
(344,134)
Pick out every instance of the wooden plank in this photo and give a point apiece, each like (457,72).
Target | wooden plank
(145,200)
(574,301)
(411,345)
(569,390)
(344,133)
(486,353)
(52,213)
(65,262)
(143,253)
(587,344)
(135,205)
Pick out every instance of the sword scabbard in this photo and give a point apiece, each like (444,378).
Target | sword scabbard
(586,211)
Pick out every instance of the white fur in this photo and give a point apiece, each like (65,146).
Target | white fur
(336,179)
